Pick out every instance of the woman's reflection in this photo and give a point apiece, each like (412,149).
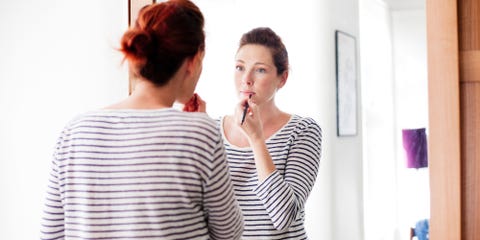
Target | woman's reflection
(274,156)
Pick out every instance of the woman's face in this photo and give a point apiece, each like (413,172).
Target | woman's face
(256,74)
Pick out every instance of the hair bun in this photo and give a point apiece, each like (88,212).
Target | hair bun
(164,35)
(136,45)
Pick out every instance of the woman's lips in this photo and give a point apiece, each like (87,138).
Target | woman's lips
(247,93)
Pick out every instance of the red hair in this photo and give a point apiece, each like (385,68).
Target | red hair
(164,35)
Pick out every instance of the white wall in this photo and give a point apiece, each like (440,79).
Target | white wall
(379,120)
(347,160)
(58,60)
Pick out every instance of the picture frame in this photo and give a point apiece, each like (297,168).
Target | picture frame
(346,83)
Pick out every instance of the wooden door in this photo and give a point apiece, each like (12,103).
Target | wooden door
(453,39)
(469,46)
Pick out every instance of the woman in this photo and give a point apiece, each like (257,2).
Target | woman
(273,156)
(140,169)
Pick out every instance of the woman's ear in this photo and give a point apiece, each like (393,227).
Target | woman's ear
(190,65)
(283,79)
(194,62)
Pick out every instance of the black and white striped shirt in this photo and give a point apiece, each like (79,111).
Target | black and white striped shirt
(141,174)
(274,208)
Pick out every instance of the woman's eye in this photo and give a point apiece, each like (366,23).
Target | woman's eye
(261,70)
(238,68)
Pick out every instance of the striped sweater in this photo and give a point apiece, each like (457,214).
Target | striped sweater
(274,208)
(141,174)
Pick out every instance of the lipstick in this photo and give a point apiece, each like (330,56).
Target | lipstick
(245,109)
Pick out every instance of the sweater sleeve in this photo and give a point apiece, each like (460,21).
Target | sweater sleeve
(225,220)
(52,222)
(284,196)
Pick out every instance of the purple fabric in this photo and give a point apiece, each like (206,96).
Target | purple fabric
(415,144)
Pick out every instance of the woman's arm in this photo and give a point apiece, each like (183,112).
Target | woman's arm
(225,219)
(285,196)
(52,222)
(253,130)
(263,160)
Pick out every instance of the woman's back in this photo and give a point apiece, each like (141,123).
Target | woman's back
(141,169)
(149,174)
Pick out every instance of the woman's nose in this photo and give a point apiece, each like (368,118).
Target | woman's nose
(247,79)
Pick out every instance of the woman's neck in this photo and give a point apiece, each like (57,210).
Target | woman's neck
(271,115)
(147,96)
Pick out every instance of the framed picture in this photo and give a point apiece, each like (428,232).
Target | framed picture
(346,70)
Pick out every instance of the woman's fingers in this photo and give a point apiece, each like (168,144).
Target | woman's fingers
(195,104)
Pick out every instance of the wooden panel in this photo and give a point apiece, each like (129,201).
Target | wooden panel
(469,24)
(469,40)
(469,45)
(135,6)
(444,119)
(470,112)
(470,65)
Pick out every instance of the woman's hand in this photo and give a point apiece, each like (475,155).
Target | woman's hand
(195,104)
(252,128)
(251,124)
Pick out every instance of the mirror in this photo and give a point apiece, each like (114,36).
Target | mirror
(353,191)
